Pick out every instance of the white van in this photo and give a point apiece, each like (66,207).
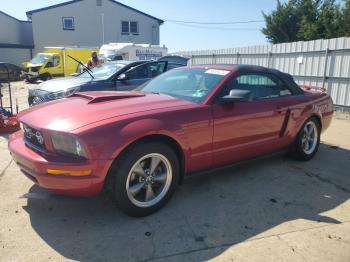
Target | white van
(131,52)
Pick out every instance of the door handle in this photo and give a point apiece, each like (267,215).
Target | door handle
(280,110)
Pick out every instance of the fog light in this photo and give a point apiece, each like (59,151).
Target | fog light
(69,172)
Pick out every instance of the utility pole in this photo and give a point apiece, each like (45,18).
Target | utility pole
(103,28)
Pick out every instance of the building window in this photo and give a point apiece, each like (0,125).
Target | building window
(68,23)
(125,27)
(134,28)
(130,27)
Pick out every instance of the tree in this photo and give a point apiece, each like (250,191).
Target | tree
(307,12)
(303,20)
(281,24)
(329,21)
(345,22)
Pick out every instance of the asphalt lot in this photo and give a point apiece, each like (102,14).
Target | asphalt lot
(275,209)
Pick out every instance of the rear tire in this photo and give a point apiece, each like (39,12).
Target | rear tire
(307,141)
(143,178)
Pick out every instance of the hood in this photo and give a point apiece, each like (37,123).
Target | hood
(29,64)
(62,84)
(89,107)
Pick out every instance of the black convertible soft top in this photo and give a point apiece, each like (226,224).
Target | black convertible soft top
(286,78)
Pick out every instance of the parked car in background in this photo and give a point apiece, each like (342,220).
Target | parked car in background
(131,52)
(55,62)
(111,76)
(10,72)
(139,145)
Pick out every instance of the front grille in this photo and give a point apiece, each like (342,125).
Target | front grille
(34,138)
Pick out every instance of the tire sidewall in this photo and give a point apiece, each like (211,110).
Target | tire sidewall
(123,167)
(299,147)
(47,77)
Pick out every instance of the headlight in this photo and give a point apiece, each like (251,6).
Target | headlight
(62,94)
(67,144)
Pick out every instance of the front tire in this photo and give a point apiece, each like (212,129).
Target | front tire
(143,178)
(307,141)
(46,77)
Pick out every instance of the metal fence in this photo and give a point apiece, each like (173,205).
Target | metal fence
(322,63)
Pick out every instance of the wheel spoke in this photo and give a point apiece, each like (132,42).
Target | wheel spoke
(160,178)
(149,180)
(154,164)
(303,141)
(149,193)
(135,188)
(310,130)
(139,170)
(307,145)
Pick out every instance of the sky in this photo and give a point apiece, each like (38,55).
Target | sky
(185,37)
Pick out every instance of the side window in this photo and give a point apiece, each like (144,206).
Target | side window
(157,69)
(261,86)
(56,61)
(139,72)
(172,66)
(49,63)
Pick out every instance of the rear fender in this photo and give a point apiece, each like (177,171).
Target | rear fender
(321,109)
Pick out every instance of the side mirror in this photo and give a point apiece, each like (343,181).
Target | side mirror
(237,95)
(122,77)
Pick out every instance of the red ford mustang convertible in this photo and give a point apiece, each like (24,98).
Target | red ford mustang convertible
(138,145)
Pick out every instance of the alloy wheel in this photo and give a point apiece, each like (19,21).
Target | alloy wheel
(149,180)
(309,138)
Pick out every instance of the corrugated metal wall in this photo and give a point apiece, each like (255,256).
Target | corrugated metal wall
(314,63)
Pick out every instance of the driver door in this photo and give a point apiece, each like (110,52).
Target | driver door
(243,130)
(54,66)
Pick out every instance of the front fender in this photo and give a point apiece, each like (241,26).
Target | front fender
(108,140)
(139,129)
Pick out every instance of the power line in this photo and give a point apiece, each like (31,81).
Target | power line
(217,28)
(215,23)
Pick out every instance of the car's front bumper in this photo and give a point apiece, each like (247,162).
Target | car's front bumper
(35,167)
(32,74)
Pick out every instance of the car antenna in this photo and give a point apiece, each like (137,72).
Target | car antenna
(87,69)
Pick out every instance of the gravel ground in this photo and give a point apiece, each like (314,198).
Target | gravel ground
(273,210)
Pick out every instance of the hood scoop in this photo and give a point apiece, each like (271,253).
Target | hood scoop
(96,97)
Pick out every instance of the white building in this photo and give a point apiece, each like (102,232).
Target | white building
(92,23)
(16,39)
(75,23)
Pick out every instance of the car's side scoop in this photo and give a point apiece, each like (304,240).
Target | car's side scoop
(96,97)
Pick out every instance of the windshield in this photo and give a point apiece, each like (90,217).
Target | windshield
(40,58)
(193,84)
(103,71)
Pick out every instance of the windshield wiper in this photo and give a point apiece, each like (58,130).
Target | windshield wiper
(80,63)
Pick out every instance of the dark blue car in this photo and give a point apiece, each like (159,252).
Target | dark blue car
(111,76)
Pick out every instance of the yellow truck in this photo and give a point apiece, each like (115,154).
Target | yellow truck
(55,62)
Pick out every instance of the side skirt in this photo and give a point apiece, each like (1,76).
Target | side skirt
(238,164)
